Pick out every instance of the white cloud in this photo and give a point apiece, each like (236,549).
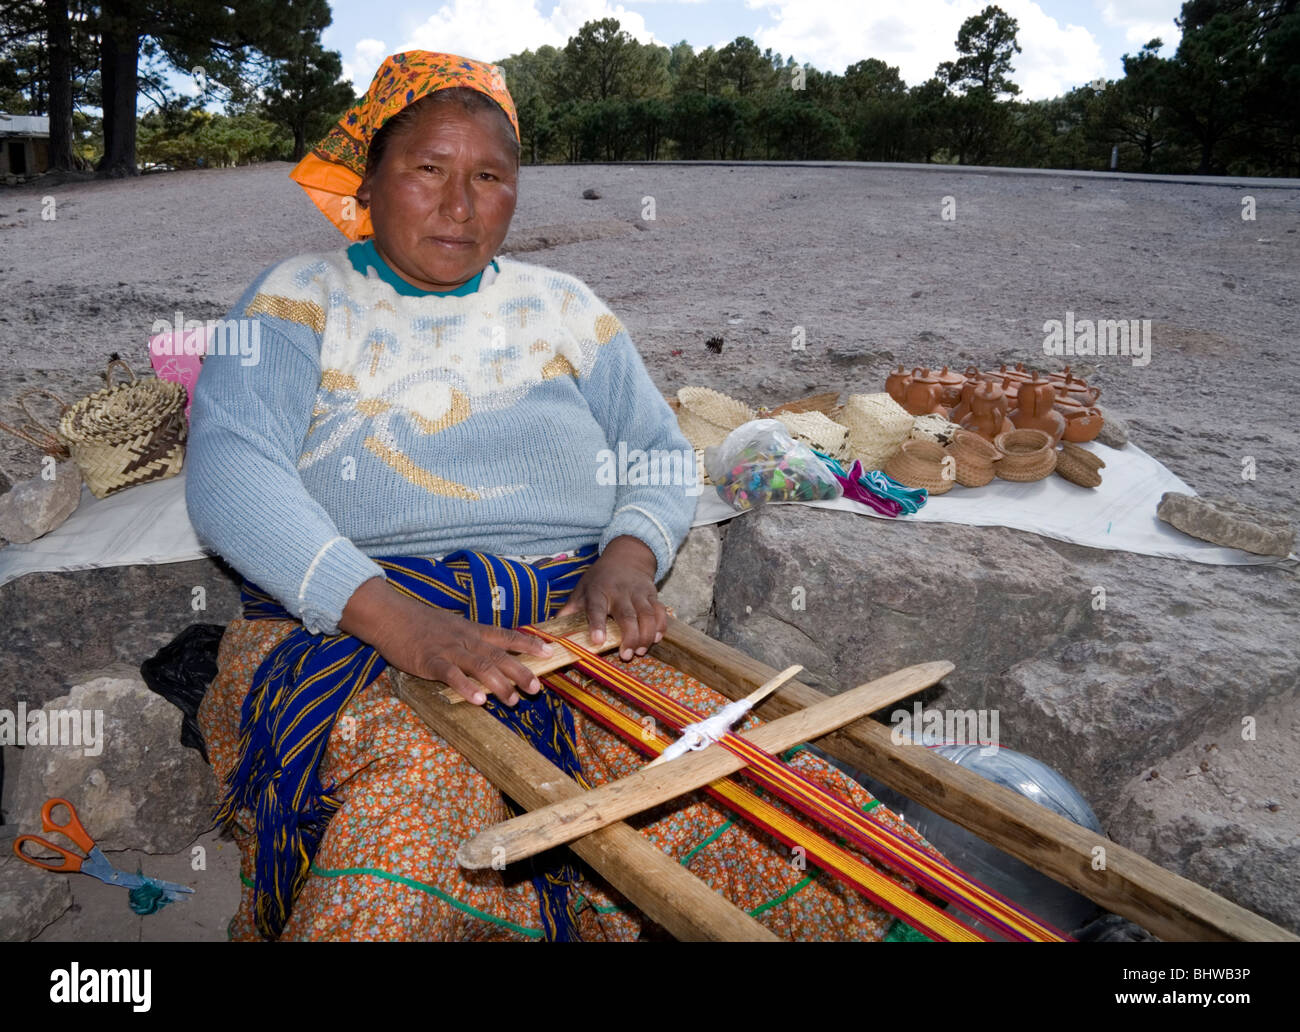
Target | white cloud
(367,55)
(831,35)
(488,30)
(492,29)
(1055,58)
(1143,20)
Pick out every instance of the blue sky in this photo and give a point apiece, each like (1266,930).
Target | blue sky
(1065,43)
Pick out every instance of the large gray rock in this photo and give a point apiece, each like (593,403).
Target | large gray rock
(1223,812)
(36,506)
(688,588)
(1098,693)
(852,598)
(133,783)
(1226,521)
(30,898)
(59,629)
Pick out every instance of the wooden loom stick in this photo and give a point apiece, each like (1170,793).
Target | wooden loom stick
(562,822)
(1164,903)
(768,687)
(660,887)
(573,626)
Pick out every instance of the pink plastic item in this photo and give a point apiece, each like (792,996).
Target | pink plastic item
(178,361)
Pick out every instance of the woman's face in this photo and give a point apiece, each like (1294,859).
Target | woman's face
(442,197)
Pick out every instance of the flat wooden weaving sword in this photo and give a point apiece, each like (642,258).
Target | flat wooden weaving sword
(570,819)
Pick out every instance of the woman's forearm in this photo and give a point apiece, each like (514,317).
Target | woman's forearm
(376,610)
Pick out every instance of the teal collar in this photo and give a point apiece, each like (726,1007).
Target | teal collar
(364,256)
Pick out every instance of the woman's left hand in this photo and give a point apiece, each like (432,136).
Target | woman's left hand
(621,584)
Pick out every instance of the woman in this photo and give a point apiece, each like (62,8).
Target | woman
(417,397)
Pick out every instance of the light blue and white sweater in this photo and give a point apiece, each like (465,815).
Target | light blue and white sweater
(376,424)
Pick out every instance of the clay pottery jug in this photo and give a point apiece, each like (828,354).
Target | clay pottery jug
(924,398)
(1036,409)
(1060,377)
(951,383)
(924,374)
(962,409)
(896,385)
(1008,400)
(1078,391)
(1067,405)
(1010,390)
(988,415)
(1082,424)
(1016,375)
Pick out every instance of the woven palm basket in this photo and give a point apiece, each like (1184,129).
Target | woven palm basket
(975,458)
(1079,466)
(933,427)
(128,433)
(818,431)
(1027,455)
(878,426)
(707,416)
(920,464)
(824,403)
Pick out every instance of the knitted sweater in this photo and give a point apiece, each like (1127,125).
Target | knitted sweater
(357,423)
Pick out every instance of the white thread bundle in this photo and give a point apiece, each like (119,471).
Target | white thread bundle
(704,733)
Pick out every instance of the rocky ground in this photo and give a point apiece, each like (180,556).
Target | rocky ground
(1142,704)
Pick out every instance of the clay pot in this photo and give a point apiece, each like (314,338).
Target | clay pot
(962,409)
(1077,390)
(924,374)
(1018,374)
(988,415)
(952,384)
(896,385)
(925,397)
(1082,424)
(1067,406)
(1036,409)
(1010,390)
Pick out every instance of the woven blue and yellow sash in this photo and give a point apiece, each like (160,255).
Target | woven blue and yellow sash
(307,680)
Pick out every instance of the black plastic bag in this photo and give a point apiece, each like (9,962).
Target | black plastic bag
(181,672)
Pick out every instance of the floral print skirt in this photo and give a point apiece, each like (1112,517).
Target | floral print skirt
(386,868)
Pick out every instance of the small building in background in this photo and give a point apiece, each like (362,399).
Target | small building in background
(24,145)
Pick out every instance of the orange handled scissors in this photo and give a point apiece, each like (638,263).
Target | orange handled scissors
(94,863)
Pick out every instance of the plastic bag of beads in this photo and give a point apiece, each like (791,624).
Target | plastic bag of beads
(760,462)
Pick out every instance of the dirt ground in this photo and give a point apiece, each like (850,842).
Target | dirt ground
(860,258)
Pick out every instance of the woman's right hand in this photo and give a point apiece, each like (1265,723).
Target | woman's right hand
(440,646)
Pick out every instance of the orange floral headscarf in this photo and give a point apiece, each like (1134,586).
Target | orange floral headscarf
(333,170)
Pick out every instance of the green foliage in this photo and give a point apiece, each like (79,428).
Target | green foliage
(603,62)
(304,91)
(1228,100)
(190,137)
(986,43)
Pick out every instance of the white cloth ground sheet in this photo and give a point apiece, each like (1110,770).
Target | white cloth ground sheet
(149,524)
